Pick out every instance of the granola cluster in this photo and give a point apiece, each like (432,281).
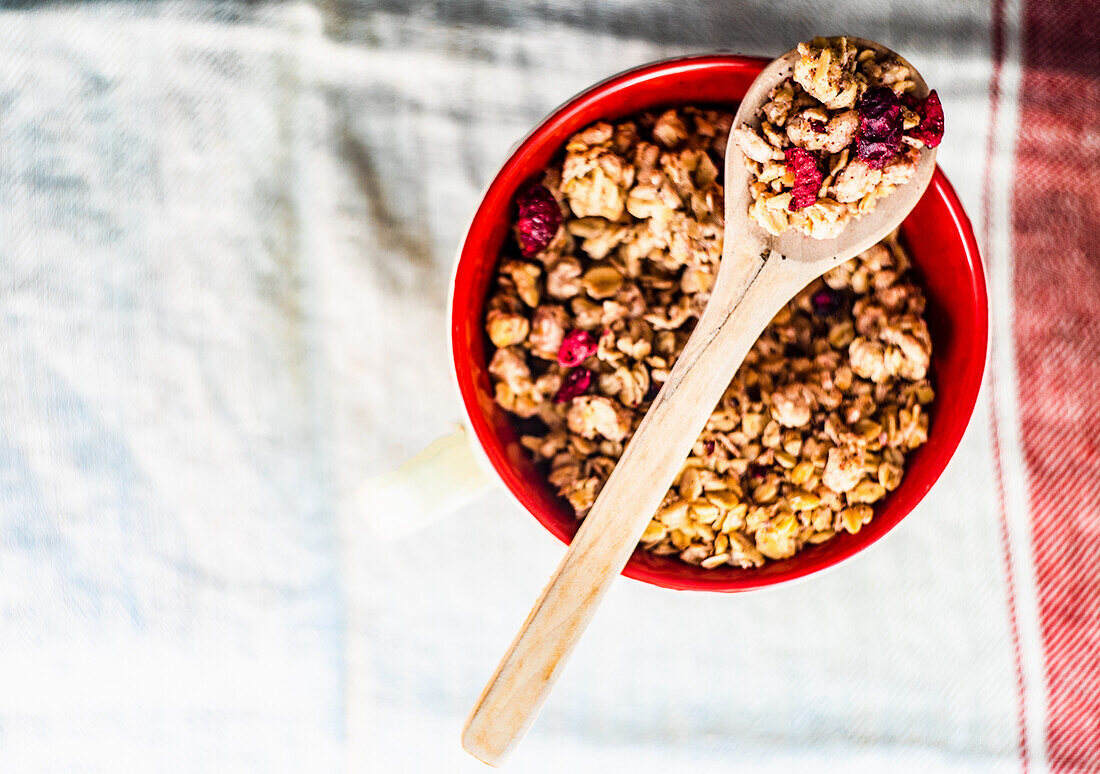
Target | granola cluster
(843,132)
(586,326)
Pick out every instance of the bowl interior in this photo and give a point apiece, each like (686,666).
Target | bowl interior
(940,241)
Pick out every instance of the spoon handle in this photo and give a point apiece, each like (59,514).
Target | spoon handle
(742,304)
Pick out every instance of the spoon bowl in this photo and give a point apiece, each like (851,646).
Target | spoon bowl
(859,234)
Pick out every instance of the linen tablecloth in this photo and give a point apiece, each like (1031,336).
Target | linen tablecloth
(226,232)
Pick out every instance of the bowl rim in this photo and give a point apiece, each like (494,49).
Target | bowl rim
(495,461)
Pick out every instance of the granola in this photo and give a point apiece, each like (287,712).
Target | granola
(842,133)
(815,426)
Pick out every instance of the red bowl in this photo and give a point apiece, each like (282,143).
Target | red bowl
(941,243)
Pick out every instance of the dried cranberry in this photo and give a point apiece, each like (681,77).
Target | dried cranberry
(539,219)
(877,154)
(817,126)
(576,347)
(573,385)
(807,177)
(879,109)
(879,126)
(825,302)
(930,129)
(708,446)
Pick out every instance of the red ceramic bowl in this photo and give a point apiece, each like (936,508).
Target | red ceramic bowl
(941,242)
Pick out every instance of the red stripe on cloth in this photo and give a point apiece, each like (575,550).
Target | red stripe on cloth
(1056,288)
(997,40)
(1011,587)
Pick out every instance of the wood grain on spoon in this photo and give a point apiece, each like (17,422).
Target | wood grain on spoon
(759,273)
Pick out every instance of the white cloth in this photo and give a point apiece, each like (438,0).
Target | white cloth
(226,235)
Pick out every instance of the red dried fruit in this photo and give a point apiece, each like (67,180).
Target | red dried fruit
(825,301)
(879,127)
(817,126)
(573,385)
(930,129)
(539,219)
(879,110)
(576,347)
(807,177)
(876,154)
(708,446)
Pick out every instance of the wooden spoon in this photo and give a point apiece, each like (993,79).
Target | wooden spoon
(759,273)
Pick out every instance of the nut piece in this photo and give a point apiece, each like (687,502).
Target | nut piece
(791,405)
(564,278)
(525,277)
(782,97)
(856,181)
(898,171)
(756,147)
(827,71)
(593,176)
(600,236)
(506,328)
(833,136)
(547,330)
(669,129)
(914,345)
(595,194)
(851,519)
(868,360)
(591,415)
(843,470)
(510,366)
(602,282)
